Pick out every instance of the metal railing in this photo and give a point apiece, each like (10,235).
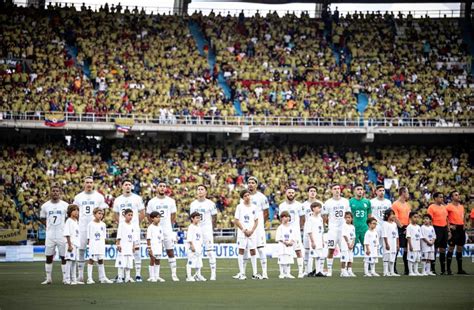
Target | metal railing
(189,120)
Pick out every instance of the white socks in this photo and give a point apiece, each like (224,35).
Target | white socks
(49,270)
(253,260)
(90,268)
(172,262)
(102,275)
(329,263)
(240,261)
(212,263)
(156,271)
(299,261)
(309,265)
(263,260)
(138,263)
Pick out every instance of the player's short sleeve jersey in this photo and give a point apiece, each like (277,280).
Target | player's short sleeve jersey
(155,234)
(133,202)
(360,211)
(125,233)
(87,202)
(96,234)
(261,202)
(428,233)
(246,216)
(71,230)
(371,239)
(414,233)
(166,207)
(194,235)
(207,209)
(347,231)
(314,226)
(390,231)
(379,207)
(335,210)
(295,209)
(55,215)
(307,209)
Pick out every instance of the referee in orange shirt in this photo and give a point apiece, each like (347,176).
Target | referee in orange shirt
(438,212)
(402,210)
(458,235)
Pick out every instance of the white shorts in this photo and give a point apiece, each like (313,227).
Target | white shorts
(169,239)
(260,238)
(73,255)
(371,259)
(316,253)
(96,257)
(347,256)
(157,252)
(246,243)
(428,255)
(285,259)
(208,240)
(298,245)
(389,256)
(413,256)
(194,259)
(52,244)
(334,238)
(83,240)
(124,261)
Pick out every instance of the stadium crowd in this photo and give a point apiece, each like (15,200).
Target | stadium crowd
(27,171)
(114,61)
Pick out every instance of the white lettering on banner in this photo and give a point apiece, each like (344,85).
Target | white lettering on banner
(223,250)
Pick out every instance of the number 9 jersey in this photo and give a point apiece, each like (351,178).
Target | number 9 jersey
(87,202)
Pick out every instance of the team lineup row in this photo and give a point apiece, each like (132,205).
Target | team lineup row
(371,222)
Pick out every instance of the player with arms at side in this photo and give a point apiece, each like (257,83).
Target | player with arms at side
(379,205)
(312,192)
(246,220)
(87,200)
(333,214)
(96,234)
(313,231)
(166,207)
(361,209)
(207,209)
(295,209)
(53,215)
(129,200)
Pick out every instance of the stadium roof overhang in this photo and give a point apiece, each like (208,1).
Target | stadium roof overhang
(328,1)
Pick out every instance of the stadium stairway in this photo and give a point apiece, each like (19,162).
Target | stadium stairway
(468,38)
(202,43)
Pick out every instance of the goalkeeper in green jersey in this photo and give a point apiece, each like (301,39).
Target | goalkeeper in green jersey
(361,209)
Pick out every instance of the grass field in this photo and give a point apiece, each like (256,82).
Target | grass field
(20,288)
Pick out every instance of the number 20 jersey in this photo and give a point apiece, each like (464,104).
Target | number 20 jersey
(335,210)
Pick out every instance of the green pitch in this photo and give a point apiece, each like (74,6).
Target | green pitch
(20,289)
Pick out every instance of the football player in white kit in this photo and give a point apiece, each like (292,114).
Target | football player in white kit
(87,200)
(166,206)
(129,200)
(312,192)
(246,220)
(261,201)
(295,209)
(207,209)
(333,212)
(53,216)
(379,205)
